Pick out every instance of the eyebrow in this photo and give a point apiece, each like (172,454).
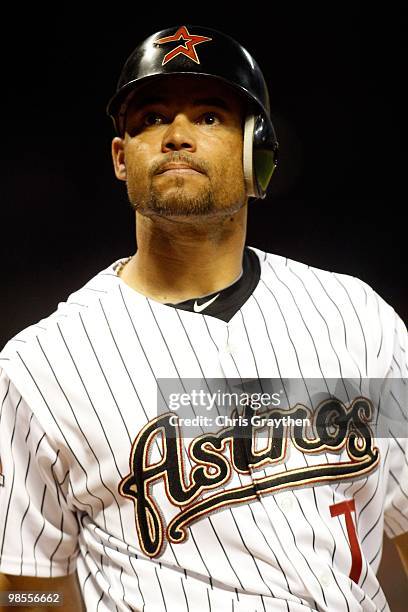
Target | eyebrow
(211,101)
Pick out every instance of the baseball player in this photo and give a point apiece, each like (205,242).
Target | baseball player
(108,493)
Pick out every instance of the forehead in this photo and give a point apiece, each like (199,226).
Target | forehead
(180,89)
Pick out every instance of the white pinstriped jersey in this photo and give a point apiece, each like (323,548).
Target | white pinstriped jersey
(79,387)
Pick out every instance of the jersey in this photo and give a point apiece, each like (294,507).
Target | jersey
(96,479)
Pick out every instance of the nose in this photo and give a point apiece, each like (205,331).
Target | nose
(179,135)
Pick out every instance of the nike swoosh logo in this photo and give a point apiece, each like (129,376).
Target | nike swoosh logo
(200,307)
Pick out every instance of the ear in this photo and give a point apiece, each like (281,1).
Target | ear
(118,157)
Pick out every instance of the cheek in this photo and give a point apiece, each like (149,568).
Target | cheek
(235,147)
(230,160)
(137,156)
(237,157)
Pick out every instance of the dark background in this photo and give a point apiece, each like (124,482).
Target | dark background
(335,76)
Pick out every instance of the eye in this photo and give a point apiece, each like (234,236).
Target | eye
(210,118)
(152,118)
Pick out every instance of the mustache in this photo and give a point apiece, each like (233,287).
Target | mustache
(179,157)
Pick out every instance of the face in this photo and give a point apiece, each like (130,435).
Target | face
(181,154)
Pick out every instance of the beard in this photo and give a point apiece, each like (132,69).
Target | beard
(178,202)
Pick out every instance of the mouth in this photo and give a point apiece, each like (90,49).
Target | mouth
(174,168)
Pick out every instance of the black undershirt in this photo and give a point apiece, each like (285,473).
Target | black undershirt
(232,298)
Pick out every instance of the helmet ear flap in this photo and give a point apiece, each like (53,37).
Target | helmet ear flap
(248,157)
(259,155)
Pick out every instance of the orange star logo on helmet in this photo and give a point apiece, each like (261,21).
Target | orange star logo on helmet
(189,41)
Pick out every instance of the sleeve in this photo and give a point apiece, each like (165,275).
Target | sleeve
(38,529)
(396,500)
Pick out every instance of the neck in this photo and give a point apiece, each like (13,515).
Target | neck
(177,260)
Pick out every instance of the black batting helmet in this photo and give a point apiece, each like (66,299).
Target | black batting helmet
(201,51)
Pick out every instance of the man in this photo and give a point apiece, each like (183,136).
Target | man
(104,474)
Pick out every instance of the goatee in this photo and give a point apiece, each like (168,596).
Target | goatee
(176,204)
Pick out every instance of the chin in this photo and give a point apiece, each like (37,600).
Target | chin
(185,201)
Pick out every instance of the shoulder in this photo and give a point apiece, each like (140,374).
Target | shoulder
(41,360)
(102,283)
(81,303)
(344,288)
(343,301)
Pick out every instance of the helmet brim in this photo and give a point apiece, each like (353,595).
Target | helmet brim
(119,102)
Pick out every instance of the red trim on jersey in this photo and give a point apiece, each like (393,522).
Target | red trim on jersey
(346,507)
